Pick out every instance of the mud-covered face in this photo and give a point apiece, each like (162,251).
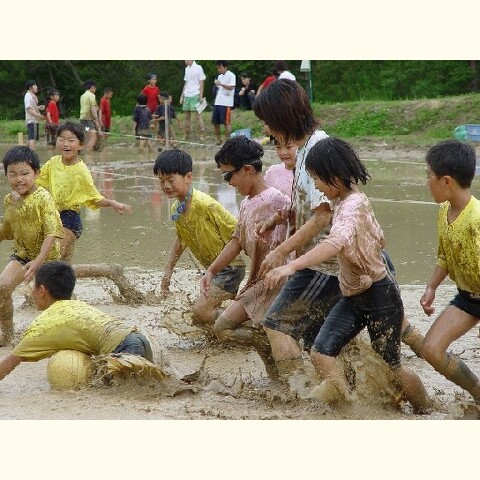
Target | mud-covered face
(21,178)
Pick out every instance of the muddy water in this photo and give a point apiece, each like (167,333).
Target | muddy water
(143,239)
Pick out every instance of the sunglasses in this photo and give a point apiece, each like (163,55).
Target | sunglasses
(227,176)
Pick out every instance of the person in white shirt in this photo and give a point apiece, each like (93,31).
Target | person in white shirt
(192,94)
(32,112)
(224,98)
(282,69)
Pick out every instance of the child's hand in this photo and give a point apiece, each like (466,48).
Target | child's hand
(273,260)
(30,269)
(205,283)
(122,208)
(426,301)
(273,278)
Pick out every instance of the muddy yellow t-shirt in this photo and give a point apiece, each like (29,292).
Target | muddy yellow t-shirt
(27,221)
(206,228)
(459,245)
(71,186)
(71,325)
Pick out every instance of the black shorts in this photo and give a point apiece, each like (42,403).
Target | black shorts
(467,302)
(71,220)
(32,131)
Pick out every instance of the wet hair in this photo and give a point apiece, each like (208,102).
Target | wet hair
(29,84)
(284,106)
(239,151)
(142,99)
(455,159)
(75,128)
(173,161)
(223,63)
(333,160)
(21,154)
(58,278)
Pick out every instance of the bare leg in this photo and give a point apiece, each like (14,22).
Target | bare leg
(201,126)
(115,274)
(67,245)
(450,325)
(412,337)
(187,124)
(11,277)
(228,328)
(218,133)
(91,139)
(205,309)
(413,388)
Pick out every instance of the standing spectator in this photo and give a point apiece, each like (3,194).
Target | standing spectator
(247,92)
(142,119)
(192,94)
(282,70)
(89,115)
(53,117)
(152,92)
(224,99)
(105,115)
(32,112)
(165,109)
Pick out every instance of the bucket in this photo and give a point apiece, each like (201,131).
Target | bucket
(473,132)
(245,132)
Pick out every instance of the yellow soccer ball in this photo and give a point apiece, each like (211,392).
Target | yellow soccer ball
(69,370)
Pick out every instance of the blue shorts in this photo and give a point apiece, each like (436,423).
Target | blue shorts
(300,308)
(136,344)
(380,309)
(71,220)
(32,131)
(229,278)
(221,115)
(467,302)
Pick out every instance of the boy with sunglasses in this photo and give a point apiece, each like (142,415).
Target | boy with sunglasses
(202,225)
(239,159)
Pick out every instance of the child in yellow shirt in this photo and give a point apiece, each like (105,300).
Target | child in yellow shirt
(202,225)
(67,324)
(450,171)
(71,185)
(32,221)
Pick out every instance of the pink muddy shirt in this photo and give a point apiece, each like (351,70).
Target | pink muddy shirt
(279,177)
(360,239)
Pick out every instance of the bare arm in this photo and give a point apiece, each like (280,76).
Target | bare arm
(428,296)
(302,236)
(231,250)
(8,364)
(175,254)
(119,207)
(34,265)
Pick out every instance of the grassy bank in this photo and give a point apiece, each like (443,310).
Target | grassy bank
(404,123)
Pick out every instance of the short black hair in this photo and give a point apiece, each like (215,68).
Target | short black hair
(58,278)
(239,151)
(173,161)
(223,63)
(455,159)
(75,128)
(333,159)
(89,84)
(142,99)
(21,154)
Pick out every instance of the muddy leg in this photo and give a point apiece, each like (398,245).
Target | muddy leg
(412,337)
(113,273)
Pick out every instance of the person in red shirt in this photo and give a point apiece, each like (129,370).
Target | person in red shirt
(152,92)
(105,115)
(53,117)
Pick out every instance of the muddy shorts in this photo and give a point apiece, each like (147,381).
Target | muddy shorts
(88,125)
(229,278)
(22,261)
(189,103)
(136,343)
(71,220)
(300,308)
(467,302)
(379,308)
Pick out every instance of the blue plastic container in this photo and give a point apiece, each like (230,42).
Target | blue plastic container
(245,131)
(473,132)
